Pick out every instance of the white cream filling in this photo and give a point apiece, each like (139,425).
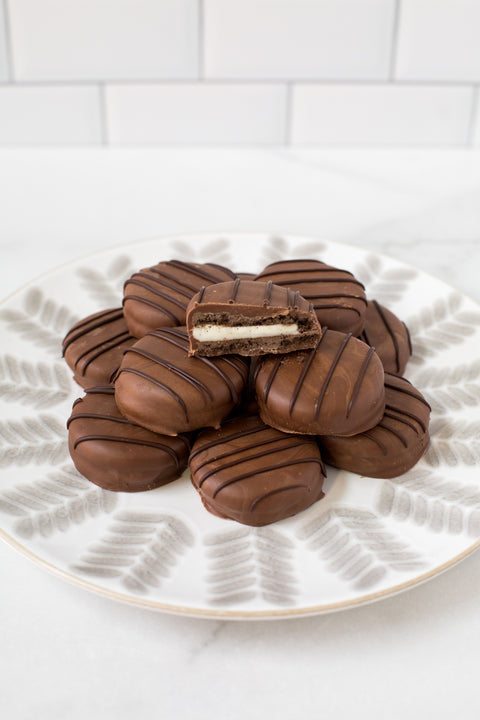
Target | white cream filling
(217,333)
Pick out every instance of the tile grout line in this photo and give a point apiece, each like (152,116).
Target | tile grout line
(394,40)
(8,41)
(473,116)
(102,103)
(201,40)
(288,113)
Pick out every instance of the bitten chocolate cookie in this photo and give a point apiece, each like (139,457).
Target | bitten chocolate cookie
(250,318)
(94,347)
(334,389)
(117,454)
(388,335)
(394,445)
(158,296)
(338,298)
(251,473)
(160,387)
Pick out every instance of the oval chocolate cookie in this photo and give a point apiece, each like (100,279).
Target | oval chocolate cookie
(250,318)
(388,335)
(338,298)
(158,296)
(117,454)
(160,387)
(334,389)
(251,473)
(394,445)
(94,347)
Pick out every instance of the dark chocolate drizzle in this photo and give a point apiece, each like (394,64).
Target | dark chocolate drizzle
(390,331)
(359,380)
(303,374)
(274,492)
(84,327)
(330,373)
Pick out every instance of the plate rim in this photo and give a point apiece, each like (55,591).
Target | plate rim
(225,613)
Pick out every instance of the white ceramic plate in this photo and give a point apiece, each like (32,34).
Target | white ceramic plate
(366,540)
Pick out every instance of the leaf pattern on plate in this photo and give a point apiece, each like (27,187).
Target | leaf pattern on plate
(217,250)
(385,285)
(439,326)
(55,503)
(39,439)
(42,321)
(450,388)
(278,248)
(106,288)
(39,384)
(140,548)
(453,443)
(357,546)
(430,501)
(248,562)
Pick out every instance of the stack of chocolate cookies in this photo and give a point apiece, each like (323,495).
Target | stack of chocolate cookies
(249,380)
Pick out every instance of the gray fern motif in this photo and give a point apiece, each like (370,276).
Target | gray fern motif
(40,384)
(55,503)
(246,562)
(279,248)
(42,321)
(106,288)
(218,250)
(439,326)
(450,388)
(386,286)
(429,501)
(139,548)
(453,443)
(38,439)
(356,546)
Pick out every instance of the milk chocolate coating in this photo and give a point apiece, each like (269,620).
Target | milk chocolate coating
(94,347)
(245,303)
(161,388)
(388,335)
(394,445)
(117,454)
(337,296)
(158,296)
(251,473)
(334,389)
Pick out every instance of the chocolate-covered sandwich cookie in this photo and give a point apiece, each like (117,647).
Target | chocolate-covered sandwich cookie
(250,318)
(160,387)
(338,298)
(388,335)
(117,454)
(158,296)
(94,347)
(394,445)
(251,473)
(334,389)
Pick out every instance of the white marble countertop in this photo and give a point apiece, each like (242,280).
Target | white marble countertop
(68,653)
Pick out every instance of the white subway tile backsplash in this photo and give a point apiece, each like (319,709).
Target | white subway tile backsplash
(196,113)
(65,40)
(381,114)
(49,115)
(4,69)
(439,40)
(301,39)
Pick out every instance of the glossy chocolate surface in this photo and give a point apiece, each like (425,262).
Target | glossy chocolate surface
(338,298)
(251,473)
(117,454)
(388,335)
(160,387)
(94,347)
(394,445)
(158,296)
(335,389)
